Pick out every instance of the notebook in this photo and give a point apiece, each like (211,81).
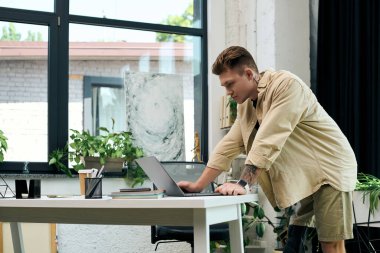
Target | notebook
(161,178)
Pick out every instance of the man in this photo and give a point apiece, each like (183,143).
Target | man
(295,150)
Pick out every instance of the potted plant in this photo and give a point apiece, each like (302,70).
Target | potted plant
(253,216)
(3,145)
(368,188)
(233,108)
(258,219)
(369,185)
(86,150)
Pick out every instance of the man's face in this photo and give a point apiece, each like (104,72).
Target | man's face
(239,86)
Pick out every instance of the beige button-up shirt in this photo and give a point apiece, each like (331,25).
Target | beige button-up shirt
(298,144)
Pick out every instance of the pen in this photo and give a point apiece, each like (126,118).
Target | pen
(100,172)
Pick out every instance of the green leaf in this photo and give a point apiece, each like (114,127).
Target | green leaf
(3,143)
(52,161)
(260,212)
(260,229)
(243,208)
(104,129)
(255,212)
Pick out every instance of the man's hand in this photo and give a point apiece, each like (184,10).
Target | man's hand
(231,189)
(189,186)
(203,181)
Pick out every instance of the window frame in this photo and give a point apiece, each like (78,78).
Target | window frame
(90,82)
(58,70)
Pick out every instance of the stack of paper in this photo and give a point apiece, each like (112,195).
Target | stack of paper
(154,194)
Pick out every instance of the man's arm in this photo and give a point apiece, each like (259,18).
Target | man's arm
(208,175)
(250,174)
(248,177)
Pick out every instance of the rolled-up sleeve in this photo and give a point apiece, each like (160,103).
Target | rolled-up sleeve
(288,107)
(227,149)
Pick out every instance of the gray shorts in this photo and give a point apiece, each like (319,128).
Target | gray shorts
(330,211)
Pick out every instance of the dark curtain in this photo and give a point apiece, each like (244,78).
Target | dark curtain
(348,68)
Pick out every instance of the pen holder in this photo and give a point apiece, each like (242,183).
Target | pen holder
(34,189)
(93,188)
(21,188)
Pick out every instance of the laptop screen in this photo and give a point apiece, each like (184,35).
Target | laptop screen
(186,171)
(166,178)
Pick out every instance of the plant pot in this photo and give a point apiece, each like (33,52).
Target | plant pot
(255,248)
(112,164)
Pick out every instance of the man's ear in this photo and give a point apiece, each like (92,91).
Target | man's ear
(251,74)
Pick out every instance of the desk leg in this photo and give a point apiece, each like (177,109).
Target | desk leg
(18,246)
(236,233)
(201,232)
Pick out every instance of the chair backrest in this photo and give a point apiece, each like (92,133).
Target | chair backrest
(186,171)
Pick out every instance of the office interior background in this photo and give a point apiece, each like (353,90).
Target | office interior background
(147,64)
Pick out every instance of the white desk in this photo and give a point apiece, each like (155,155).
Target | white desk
(200,212)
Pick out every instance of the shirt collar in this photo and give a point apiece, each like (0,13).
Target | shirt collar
(266,76)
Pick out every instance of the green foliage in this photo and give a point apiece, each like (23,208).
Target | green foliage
(34,36)
(282,228)
(258,220)
(220,246)
(184,20)
(10,34)
(105,145)
(135,175)
(253,215)
(58,158)
(233,107)
(254,220)
(370,185)
(3,145)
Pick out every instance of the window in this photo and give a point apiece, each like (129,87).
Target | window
(149,11)
(83,67)
(153,80)
(37,5)
(104,101)
(23,90)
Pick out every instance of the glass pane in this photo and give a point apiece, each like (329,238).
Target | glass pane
(183,13)
(160,83)
(23,90)
(108,103)
(37,5)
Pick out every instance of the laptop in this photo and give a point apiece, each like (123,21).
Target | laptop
(161,178)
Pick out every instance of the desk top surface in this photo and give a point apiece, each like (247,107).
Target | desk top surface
(107,202)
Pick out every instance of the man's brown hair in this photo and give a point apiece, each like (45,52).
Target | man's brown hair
(234,57)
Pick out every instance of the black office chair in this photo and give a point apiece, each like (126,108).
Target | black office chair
(189,171)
